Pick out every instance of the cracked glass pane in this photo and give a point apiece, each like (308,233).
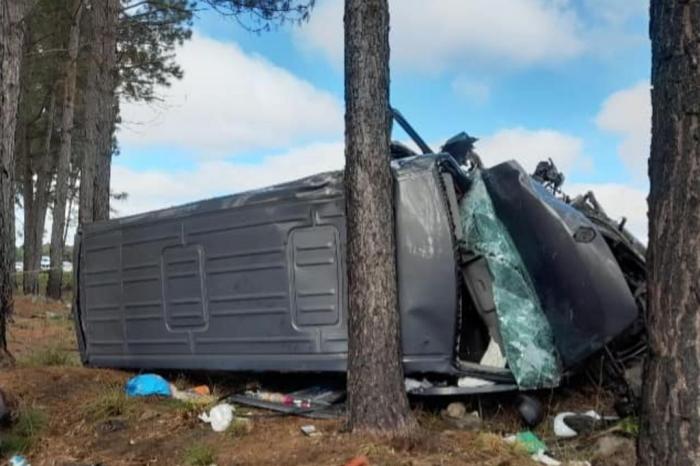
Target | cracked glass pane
(525,332)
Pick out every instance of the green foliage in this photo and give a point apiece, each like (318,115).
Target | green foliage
(149,31)
(199,455)
(262,15)
(24,432)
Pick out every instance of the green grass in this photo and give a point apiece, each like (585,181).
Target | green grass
(199,455)
(24,432)
(52,355)
(112,402)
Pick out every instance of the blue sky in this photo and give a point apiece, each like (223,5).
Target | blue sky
(531,78)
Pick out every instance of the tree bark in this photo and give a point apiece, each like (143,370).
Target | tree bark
(100,112)
(670,427)
(11,39)
(53,289)
(376,396)
(36,217)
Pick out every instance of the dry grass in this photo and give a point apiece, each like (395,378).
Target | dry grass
(52,355)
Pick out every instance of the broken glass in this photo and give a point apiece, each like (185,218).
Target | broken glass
(525,333)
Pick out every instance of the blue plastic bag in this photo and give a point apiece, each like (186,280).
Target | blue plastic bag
(147,385)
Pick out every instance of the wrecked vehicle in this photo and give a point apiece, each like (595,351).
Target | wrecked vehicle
(504,283)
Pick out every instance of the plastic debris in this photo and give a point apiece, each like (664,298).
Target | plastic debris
(19,460)
(560,427)
(543,458)
(529,441)
(535,447)
(358,461)
(467,381)
(413,384)
(200,394)
(220,417)
(148,385)
(569,424)
(310,430)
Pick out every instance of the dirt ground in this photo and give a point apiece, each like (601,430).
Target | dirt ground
(79,416)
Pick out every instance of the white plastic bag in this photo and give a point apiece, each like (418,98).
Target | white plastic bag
(220,417)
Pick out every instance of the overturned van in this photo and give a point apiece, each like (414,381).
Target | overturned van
(503,283)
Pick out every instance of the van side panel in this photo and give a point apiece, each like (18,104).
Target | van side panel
(257,281)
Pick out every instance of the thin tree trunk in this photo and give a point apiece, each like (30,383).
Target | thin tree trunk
(41,200)
(22,147)
(670,427)
(53,289)
(11,38)
(37,194)
(376,396)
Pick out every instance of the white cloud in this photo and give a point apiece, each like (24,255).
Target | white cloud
(152,189)
(627,113)
(230,101)
(619,201)
(531,146)
(456,33)
(475,91)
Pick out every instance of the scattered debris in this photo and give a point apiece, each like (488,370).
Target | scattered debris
(456,409)
(147,385)
(535,447)
(530,409)
(467,381)
(199,394)
(568,424)
(310,430)
(545,459)
(220,417)
(456,415)
(358,461)
(318,401)
(529,441)
(414,385)
(19,460)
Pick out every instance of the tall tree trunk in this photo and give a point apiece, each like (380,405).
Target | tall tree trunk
(53,289)
(11,39)
(670,428)
(100,112)
(35,205)
(41,202)
(23,151)
(376,396)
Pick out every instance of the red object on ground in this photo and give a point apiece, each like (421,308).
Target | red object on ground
(358,461)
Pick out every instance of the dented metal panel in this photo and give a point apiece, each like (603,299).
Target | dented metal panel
(578,280)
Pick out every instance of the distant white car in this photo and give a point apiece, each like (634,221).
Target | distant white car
(19,266)
(67,266)
(45,263)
